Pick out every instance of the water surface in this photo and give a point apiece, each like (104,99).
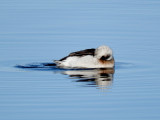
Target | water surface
(36,31)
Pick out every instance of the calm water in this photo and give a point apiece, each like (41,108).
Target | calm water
(33,32)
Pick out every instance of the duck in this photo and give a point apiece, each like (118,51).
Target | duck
(101,57)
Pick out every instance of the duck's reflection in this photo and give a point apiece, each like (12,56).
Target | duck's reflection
(101,78)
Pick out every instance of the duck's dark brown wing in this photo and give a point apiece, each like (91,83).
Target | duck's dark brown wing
(80,53)
(83,52)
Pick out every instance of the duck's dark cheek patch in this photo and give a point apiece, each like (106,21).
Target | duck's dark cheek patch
(103,58)
(107,57)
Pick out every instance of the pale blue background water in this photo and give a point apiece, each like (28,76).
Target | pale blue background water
(34,31)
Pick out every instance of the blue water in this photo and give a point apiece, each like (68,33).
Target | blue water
(33,32)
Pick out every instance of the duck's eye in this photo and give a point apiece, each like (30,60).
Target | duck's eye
(105,57)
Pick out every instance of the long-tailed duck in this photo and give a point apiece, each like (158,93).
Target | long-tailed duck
(102,57)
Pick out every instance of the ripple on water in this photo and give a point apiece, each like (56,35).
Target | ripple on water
(101,78)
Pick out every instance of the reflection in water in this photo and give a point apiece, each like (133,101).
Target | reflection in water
(97,77)
(92,77)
